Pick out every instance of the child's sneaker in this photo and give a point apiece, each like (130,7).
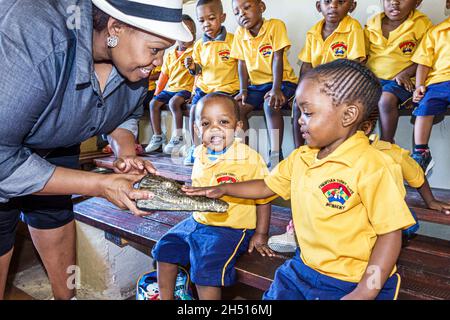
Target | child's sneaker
(174,145)
(424,160)
(189,160)
(285,242)
(156,142)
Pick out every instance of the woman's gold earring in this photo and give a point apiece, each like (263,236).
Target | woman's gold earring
(112,41)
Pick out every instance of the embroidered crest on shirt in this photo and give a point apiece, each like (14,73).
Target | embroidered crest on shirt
(226,178)
(339,49)
(407,47)
(337,193)
(266,50)
(224,55)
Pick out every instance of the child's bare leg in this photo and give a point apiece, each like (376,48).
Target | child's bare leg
(155,116)
(167,276)
(298,139)
(192,124)
(175,105)
(388,106)
(209,293)
(422,129)
(275,125)
(4,266)
(244,110)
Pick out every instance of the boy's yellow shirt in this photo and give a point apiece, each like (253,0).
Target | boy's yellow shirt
(340,204)
(346,42)
(258,52)
(411,171)
(219,70)
(152,83)
(239,163)
(434,51)
(179,77)
(387,57)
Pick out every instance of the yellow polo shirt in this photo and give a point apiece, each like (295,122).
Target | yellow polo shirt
(219,70)
(152,83)
(411,171)
(346,42)
(179,77)
(258,52)
(434,51)
(340,204)
(387,57)
(239,163)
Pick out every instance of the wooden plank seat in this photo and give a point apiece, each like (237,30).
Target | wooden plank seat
(174,168)
(424,262)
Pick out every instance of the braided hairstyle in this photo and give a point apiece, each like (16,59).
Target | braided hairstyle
(348,82)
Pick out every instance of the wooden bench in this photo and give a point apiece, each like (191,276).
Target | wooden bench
(424,262)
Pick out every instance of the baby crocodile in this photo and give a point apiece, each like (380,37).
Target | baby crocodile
(168,196)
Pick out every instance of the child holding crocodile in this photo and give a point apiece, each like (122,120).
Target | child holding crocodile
(211,242)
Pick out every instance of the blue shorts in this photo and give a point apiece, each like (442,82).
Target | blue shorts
(39,212)
(256,93)
(210,251)
(436,100)
(198,94)
(400,92)
(294,280)
(414,228)
(165,96)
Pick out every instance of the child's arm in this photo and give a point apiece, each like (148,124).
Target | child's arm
(381,263)
(276,96)
(243,79)
(403,78)
(430,200)
(253,189)
(261,236)
(161,84)
(421,77)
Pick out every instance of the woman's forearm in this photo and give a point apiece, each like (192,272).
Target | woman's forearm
(122,143)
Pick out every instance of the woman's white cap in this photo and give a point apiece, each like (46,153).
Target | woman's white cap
(161,17)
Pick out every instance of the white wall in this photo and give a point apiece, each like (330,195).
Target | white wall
(299,16)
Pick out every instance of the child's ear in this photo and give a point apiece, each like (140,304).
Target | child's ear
(318,6)
(196,130)
(353,7)
(223,17)
(419,2)
(350,116)
(262,6)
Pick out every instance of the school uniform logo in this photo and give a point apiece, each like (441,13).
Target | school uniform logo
(339,49)
(224,55)
(407,47)
(337,192)
(266,50)
(226,178)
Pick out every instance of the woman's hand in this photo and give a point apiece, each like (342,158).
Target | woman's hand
(118,189)
(133,165)
(404,80)
(210,192)
(259,242)
(275,98)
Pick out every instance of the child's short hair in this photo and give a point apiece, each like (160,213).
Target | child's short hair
(205,2)
(217,95)
(347,82)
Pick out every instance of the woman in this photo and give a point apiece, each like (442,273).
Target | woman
(70,72)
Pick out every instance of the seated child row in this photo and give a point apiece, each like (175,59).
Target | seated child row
(398,45)
(347,197)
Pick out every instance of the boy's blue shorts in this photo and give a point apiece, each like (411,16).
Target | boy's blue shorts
(414,228)
(436,100)
(210,251)
(400,92)
(256,93)
(198,94)
(294,280)
(165,96)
